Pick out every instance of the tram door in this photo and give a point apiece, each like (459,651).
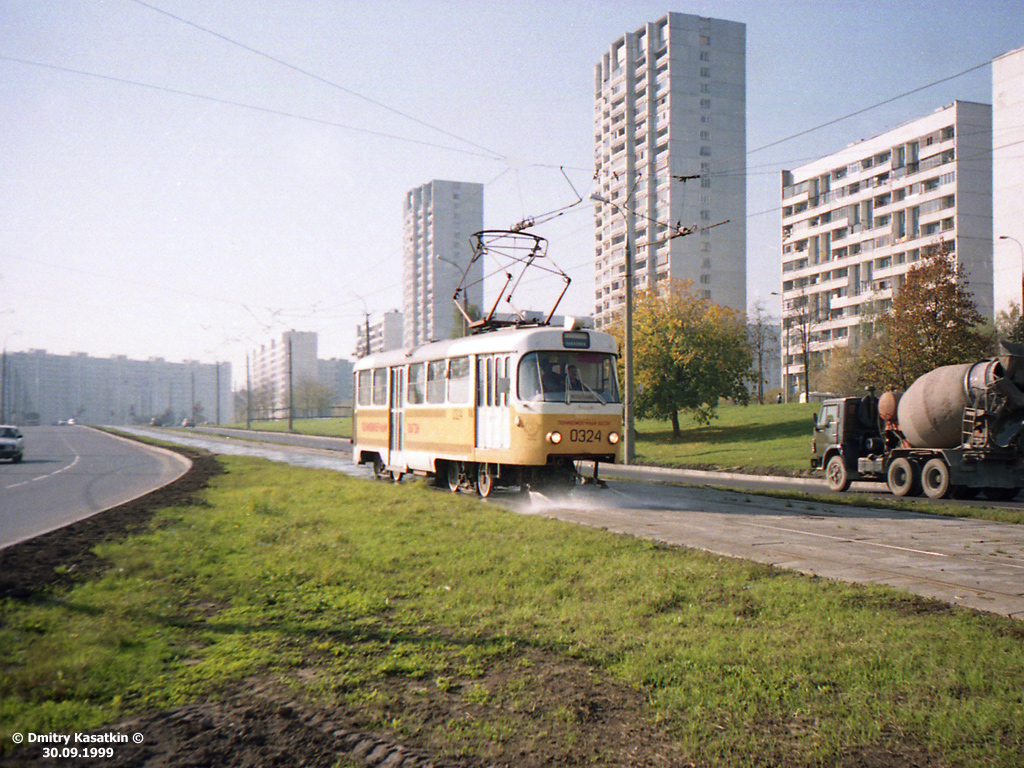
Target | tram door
(493,429)
(395,403)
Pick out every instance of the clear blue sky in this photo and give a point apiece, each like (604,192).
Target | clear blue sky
(140,220)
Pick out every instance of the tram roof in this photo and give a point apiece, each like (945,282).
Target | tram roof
(518,339)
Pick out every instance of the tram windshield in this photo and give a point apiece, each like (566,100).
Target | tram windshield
(568,377)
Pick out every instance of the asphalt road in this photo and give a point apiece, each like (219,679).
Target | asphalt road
(70,473)
(971,563)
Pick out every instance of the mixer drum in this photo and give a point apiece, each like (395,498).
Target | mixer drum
(931,410)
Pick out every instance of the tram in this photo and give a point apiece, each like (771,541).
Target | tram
(515,407)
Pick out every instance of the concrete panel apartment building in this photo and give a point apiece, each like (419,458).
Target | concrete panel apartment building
(854,222)
(39,387)
(670,102)
(438,220)
(279,367)
(1008,177)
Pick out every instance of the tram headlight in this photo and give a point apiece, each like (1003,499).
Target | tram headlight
(554,437)
(613,438)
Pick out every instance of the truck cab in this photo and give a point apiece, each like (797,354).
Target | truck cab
(846,431)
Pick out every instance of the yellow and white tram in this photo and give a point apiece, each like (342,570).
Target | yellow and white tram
(512,407)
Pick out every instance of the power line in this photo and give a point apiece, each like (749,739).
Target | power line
(243,105)
(318,78)
(869,108)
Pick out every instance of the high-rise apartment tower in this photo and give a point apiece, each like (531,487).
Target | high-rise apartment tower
(439,219)
(670,154)
(1008,178)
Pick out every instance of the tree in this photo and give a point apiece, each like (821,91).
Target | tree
(1010,323)
(688,352)
(842,372)
(310,398)
(933,321)
(764,342)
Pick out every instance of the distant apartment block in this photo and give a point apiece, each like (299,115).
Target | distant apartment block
(380,335)
(854,222)
(1008,177)
(336,375)
(438,220)
(278,368)
(670,153)
(39,387)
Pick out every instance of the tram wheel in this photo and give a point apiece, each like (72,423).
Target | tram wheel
(484,480)
(454,476)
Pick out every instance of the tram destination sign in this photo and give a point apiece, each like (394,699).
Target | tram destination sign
(576,340)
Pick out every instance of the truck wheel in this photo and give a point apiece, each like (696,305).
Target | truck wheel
(903,479)
(836,476)
(935,479)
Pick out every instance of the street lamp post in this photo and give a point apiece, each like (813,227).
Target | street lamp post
(628,446)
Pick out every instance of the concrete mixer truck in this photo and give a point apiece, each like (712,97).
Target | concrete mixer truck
(956,431)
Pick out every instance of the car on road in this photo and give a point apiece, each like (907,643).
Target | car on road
(12,444)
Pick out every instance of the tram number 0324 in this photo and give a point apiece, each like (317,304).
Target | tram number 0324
(585,435)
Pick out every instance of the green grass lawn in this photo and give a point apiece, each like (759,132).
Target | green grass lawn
(369,587)
(754,436)
(744,437)
(334,427)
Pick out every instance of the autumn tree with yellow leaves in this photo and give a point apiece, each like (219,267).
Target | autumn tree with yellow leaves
(933,321)
(688,353)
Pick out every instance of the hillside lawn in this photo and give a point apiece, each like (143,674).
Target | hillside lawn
(753,437)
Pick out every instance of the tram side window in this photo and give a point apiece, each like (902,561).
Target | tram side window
(380,386)
(503,381)
(435,382)
(364,387)
(492,382)
(417,383)
(458,380)
(484,381)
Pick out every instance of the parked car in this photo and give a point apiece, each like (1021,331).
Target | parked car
(12,444)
